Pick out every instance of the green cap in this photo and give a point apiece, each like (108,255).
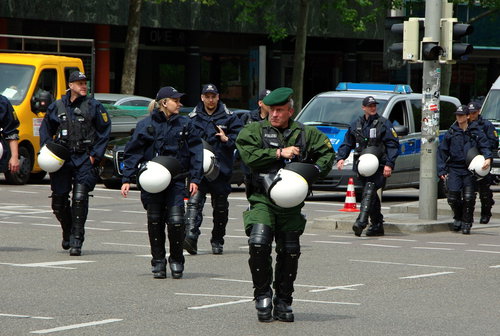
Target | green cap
(280,96)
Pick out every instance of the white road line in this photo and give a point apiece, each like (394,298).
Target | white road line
(482,251)
(319,288)
(447,243)
(134,211)
(133,245)
(220,304)
(111,222)
(310,234)
(495,266)
(380,245)
(27,316)
(399,239)
(97,209)
(425,275)
(38,217)
(403,264)
(338,236)
(133,231)
(331,242)
(490,245)
(433,248)
(346,287)
(51,264)
(107,197)
(24,191)
(5,222)
(75,326)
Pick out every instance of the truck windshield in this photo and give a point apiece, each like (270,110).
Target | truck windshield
(334,111)
(490,108)
(14,81)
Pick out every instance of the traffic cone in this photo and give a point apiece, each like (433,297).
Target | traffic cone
(350,198)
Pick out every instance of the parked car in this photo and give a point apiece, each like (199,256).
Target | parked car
(332,113)
(111,166)
(119,99)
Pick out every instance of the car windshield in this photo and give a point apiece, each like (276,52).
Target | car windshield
(14,81)
(334,111)
(490,108)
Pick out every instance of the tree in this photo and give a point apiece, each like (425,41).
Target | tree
(131,47)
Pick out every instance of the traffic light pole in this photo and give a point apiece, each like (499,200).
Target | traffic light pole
(430,117)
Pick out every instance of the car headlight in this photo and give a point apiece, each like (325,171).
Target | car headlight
(108,153)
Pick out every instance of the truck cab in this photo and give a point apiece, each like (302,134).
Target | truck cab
(31,82)
(332,112)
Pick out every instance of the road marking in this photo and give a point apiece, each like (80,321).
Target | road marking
(319,288)
(98,209)
(425,275)
(403,264)
(399,239)
(5,222)
(107,197)
(120,244)
(331,242)
(495,266)
(345,287)
(380,245)
(334,211)
(447,243)
(24,191)
(220,304)
(133,231)
(112,222)
(38,217)
(52,264)
(133,211)
(433,248)
(482,251)
(75,326)
(27,316)
(490,245)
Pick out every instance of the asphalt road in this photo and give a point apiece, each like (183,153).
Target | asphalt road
(415,284)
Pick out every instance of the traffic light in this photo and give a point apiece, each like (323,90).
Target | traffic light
(431,50)
(451,34)
(409,48)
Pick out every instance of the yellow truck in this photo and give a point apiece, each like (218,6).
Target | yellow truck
(31,82)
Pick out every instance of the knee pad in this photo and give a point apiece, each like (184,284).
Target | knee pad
(454,198)
(288,243)
(80,193)
(154,214)
(260,240)
(59,202)
(221,208)
(469,194)
(175,217)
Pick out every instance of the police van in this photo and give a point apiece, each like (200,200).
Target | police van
(332,112)
(491,111)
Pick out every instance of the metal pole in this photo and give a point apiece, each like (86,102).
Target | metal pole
(430,117)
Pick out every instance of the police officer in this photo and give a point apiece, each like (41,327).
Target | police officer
(374,134)
(80,124)
(259,113)
(9,135)
(218,126)
(452,167)
(265,147)
(165,133)
(484,183)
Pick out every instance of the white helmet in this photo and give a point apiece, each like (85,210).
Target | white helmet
(1,149)
(368,164)
(210,162)
(290,186)
(52,157)
(155,175)
(475,162)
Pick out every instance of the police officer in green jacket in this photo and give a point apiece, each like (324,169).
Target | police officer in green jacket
(284,157)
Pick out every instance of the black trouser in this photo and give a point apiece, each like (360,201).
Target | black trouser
(260,261)
(79,212)
(62,210)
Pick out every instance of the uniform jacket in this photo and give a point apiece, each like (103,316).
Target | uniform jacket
(259,159)
(156,135)
(489,131)
(204,126)
(251,116)
(453,149)
(8,120)
(388,138)
(100,122)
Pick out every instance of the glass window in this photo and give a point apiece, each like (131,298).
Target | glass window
(15,81)
(47,81)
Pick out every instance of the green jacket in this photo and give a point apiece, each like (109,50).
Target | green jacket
(259,159)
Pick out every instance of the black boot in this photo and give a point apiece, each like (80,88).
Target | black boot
(468,209)
(62,209)
(376,229)
(264,306)
(159,268)
(486,211)
(456,205)
(176,232)
(220,214)
(176,268)
(192,220)
(79,211)
(486,197)
(282,310)
(365,208)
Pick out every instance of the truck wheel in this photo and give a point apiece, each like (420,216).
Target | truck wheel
(25,165)
(37,177)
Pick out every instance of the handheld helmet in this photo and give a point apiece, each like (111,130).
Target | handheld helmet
(368,162)
(475,161)
(211,167)
(290,185)
(52,157)
(156,175)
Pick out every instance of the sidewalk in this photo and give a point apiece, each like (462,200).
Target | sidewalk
(404,218)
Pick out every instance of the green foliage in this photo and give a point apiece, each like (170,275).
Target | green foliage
(203,2)
(252,12)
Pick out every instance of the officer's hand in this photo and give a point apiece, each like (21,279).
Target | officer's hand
(443,177)
(124,190)
(290,152)
(340,164)
(387,171)
(486,164)
(221,134)
(14,164)
(193,188)
(92,160)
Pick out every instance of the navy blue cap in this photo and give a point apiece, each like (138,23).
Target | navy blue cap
(168,92)
(462,110)
(474,106)
(264,93)
(369,101)
(77,76)
(209,88)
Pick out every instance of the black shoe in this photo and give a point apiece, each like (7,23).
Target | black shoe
(358,228)
(457,225)
(159,268)
(217,248)
(485,219)
(375,230)
(190,245)
(75,251)
(282,310)
(264,307)
(65,244)
(176,269)
(466,228)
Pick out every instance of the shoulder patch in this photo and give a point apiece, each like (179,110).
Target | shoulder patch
(328,143)
(104,116)
(496,134)
(394,132)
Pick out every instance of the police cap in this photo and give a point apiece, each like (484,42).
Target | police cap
(280,96)
(474,106)
(369,101)
(462,110)
(77,76)
(264,93)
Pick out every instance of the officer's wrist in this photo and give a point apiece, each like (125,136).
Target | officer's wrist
(278,153)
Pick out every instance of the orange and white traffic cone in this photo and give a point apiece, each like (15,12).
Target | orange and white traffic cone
(350,198)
